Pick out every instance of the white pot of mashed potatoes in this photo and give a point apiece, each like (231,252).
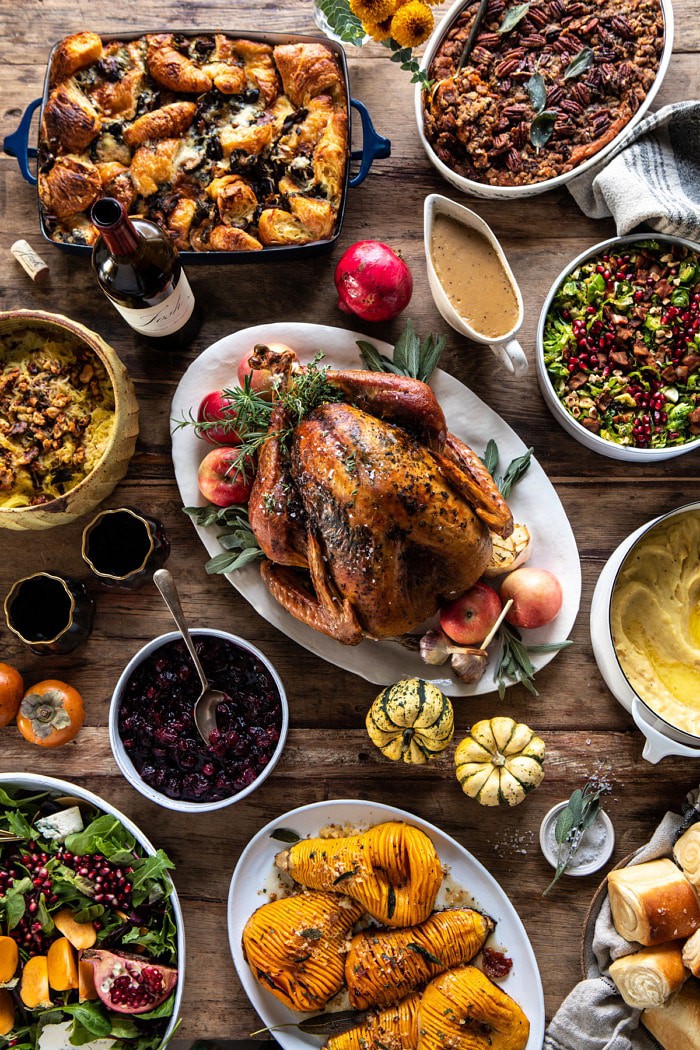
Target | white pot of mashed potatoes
(655,619)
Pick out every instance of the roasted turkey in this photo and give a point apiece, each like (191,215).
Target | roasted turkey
(369,513)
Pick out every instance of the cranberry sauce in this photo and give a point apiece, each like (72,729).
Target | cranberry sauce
(157,729)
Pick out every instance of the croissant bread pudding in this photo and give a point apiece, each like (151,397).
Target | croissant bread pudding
(652,903)
(228,144)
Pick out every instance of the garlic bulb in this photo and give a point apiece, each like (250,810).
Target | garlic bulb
(469,664)
(508,553)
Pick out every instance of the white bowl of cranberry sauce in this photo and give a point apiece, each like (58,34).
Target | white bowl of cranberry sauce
(618,348)
(151,725)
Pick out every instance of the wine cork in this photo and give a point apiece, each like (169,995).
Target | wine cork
(30,262)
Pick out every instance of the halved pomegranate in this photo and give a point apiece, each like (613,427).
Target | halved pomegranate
(129,984)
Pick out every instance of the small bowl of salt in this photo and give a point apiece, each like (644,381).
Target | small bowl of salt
(595,847)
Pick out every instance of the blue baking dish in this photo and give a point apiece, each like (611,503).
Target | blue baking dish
(374,146)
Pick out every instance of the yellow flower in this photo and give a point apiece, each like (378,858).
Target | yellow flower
(378,30)
(372,11)
(412,24)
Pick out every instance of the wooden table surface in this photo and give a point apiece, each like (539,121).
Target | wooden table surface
(328,754)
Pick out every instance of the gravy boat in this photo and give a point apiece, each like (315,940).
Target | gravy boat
(506,348)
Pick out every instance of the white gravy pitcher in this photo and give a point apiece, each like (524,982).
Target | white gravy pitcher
(506,348)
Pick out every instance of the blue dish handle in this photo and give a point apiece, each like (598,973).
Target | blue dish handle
(374,145)
(17,144)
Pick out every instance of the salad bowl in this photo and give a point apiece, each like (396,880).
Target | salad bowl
(127,832)
(590,440)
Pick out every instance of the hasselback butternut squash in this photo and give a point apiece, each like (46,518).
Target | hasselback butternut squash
(464,1010)
(395,1028)
(392,869)
(295,947)
(383,966)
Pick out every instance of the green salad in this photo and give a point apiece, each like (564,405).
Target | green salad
(622,344)
(88,940)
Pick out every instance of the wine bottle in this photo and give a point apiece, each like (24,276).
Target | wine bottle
(139,271)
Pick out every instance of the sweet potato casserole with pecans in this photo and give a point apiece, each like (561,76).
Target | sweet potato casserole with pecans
(228,144)
(56,416)
(547,85)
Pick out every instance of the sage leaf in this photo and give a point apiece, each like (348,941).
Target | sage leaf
(537,91)
(311,934)
(391,902)
(516,470)
(420,950)
(375,361)
(345,875)
(490,457)
(332,1024)
(579,64)
(564,825)
(285,835)
(542,128)
(512,17)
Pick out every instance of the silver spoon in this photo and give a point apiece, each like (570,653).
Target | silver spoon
(209,699)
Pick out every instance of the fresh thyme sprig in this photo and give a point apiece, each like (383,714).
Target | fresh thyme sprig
(577,816)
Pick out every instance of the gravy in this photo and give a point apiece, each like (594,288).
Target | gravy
(473,278)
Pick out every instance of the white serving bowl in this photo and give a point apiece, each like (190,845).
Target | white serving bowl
(661,737)
(567,421)
(36,782)
(126,765)
(481,189)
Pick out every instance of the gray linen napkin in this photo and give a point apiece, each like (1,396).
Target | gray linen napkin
(593,1016)
(652,178)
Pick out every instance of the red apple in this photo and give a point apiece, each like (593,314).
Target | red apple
(214,407)
(221,479)
(261,379)
(468,619)
(536,595)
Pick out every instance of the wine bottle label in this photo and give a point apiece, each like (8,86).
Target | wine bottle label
(167,317)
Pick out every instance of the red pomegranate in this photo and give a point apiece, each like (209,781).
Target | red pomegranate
(129,984)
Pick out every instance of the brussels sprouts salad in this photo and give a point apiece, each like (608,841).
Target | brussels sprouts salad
(88,939)
(622,344)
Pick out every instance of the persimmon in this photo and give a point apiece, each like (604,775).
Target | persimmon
(51,713)
(11,693)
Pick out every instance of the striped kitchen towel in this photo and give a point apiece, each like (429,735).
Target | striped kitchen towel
(653,177)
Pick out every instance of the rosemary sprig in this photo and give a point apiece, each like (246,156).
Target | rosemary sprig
(577,816)
(240,547)
(514,663)
(412,358)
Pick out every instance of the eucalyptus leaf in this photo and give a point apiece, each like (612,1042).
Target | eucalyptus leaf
(579,64)
(542,128)
(512,17)
(342,21)
(537,90)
